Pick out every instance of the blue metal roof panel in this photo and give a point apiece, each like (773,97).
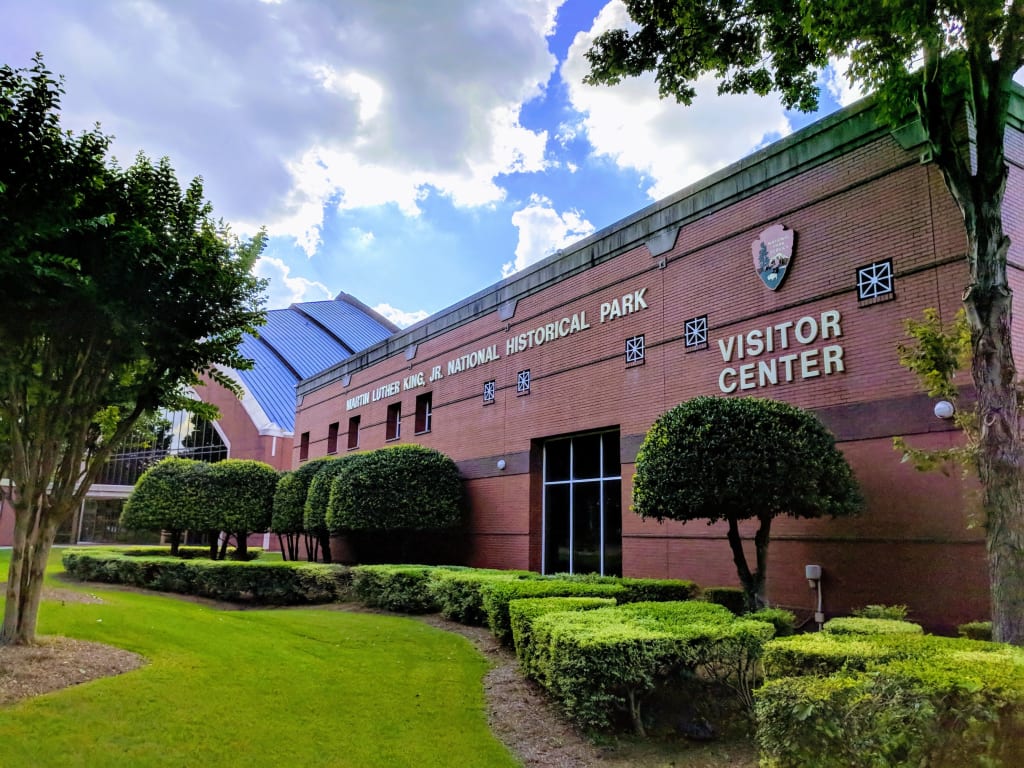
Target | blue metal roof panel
(350,324)
(306,347)
(270,382)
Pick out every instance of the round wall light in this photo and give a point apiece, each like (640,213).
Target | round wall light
(944,409)
(501,463)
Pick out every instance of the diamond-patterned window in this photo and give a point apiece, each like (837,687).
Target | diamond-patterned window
(875,281)
(523,382)
(489,391)
(695,333)
(635,350)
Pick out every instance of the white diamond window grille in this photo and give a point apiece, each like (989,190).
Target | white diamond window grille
(523,382)
(489,391)
(635,350)
(695,332)
(875,280)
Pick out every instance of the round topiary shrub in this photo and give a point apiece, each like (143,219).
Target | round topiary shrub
(169,496)
(242,494)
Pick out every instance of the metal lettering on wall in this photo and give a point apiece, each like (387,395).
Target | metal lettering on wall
(608,311)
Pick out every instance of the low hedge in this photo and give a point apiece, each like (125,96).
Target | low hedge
(784,621)
(265,583)
(498,593)
(186,553)
(606,661)
(399,588)
(522,613)
(733,598)
(641,590)
(458,592)
(975,630)
(848,625)
(952,708)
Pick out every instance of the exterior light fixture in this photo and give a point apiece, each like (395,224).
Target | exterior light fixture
(501,463)
(944,409)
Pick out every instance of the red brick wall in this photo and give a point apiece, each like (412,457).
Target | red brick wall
(874,203)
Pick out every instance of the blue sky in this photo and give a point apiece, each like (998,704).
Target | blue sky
(409,153)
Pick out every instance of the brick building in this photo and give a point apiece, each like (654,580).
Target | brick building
(787,275)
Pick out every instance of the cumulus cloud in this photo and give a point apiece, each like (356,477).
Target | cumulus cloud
(287,108)
(400,317)
(284,289)
(670,144)
(834,79)
(543,231)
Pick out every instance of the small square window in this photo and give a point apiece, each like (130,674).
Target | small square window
(635,350)
(695,333)
(332,438)
(875,281)
(424,412)
(353,432)
(394,423)
(304,446)
(488,392)
(523,382)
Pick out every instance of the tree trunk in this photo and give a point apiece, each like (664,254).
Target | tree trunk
(241,546)
(175,543)
(325,546)
(752,581)
(33,537)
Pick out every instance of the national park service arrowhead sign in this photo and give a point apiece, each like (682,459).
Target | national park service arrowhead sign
(773,253)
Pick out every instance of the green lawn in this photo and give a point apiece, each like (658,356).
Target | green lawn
(253,688)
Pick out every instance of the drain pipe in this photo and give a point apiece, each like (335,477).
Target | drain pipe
(813,575)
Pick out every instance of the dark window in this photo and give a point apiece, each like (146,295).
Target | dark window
(332,438)
(353,432)
(394,425)
(695,333)
(304,446)
(488,392)
(635,350)
(424,412)
(523,382)
(875,281)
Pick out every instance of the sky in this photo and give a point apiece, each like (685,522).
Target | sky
(407,152)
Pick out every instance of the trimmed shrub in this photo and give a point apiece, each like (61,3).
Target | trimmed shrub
(399,588)
(894,612)
(784,621)
(242,492)
(265,583)
(167,497)
(641,590)
(458,593)
(522,614)
(399,488)
(606,661)
(498,593)
(824,654)
(733,598)
(856,626)
(952,708)
(975,630)
(318,494)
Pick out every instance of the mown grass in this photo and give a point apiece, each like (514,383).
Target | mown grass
(255,688)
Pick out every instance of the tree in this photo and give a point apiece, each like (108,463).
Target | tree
(167,498)
(950,62)
(734,459)
(117,289)
(289,515)
(242,498)
(314,516)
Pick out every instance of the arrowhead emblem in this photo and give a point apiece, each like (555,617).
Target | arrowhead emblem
(773,255)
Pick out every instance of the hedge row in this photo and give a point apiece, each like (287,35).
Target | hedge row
(264,583)
(894,699)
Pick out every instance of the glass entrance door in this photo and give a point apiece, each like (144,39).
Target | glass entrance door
(583,504)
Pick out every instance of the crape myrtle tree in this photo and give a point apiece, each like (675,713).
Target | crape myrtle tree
(952,64)
(736,459)
(170,497)
(117,290)
(289,518)
(242,499)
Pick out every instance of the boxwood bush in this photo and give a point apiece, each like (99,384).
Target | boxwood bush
(848,625)
(733,598)
(267,583)
(642,590)
(603,662)
(498,593)
(459,595)
(399,588)
(522,613)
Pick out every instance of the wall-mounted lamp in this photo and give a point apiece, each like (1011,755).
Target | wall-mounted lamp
(501,463)
(813,575)
(944,409)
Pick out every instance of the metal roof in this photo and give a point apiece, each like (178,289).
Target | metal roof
(303,340)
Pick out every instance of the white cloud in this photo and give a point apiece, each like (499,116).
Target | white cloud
(542,231)
(671,144)
(361,238)
(838,84)
(284,289)
(286,108)
(400,317)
